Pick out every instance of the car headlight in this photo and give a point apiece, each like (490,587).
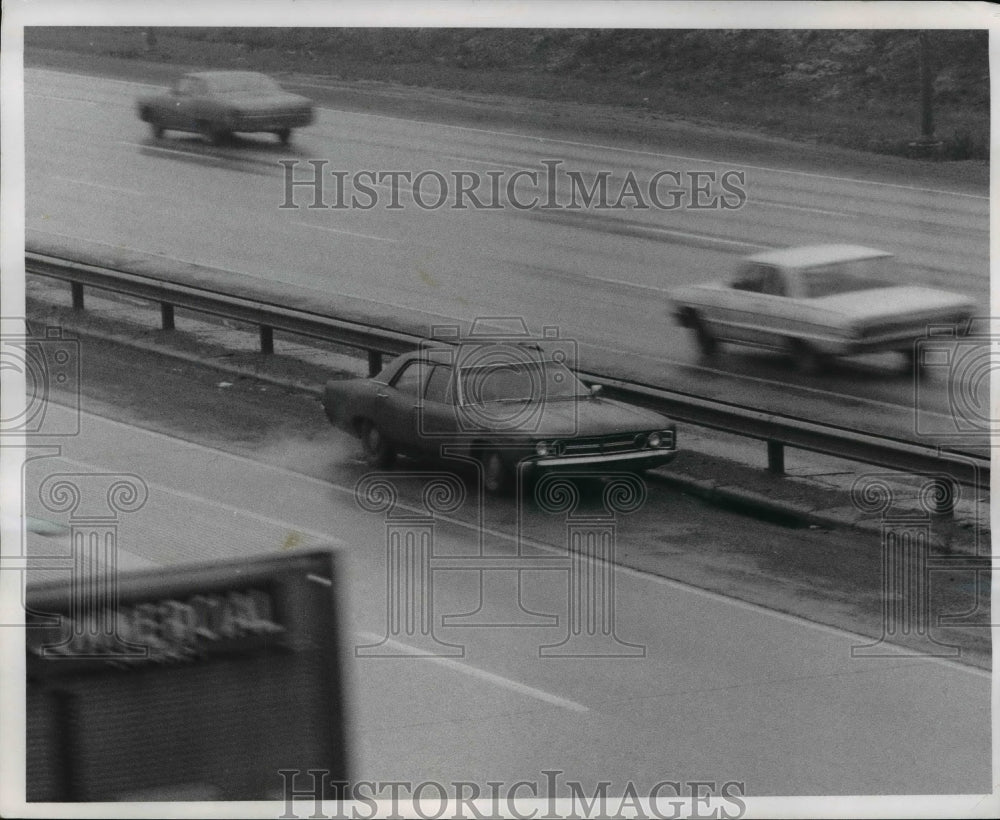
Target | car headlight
(542,448)
(654,440)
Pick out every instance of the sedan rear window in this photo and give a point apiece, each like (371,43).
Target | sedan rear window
(232,83)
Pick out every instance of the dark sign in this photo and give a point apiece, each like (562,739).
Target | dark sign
(198,683)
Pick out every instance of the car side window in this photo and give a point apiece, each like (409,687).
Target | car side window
(439,385)
(410,379)
(773,282)
(750,278)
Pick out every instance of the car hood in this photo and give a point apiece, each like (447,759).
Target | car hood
(595,416)
(267,102)
(885,303)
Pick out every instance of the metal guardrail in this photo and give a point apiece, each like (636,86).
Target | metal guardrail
(776,430)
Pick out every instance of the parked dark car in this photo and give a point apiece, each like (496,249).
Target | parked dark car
(520,412)
(218,104)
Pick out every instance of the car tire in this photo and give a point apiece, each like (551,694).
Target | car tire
(211,134)
(497,475)
(284,135)
(379,453)
(911,361)
(808,360)
(707,343)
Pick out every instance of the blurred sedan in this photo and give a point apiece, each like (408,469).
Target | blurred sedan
(816,302)
(217,104)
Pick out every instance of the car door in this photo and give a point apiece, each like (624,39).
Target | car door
(739,315)
(438,423)
(178,113)
(397,406)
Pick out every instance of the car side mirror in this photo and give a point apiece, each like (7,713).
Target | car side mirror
(595,389)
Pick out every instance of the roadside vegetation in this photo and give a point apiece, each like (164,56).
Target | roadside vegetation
(856,89)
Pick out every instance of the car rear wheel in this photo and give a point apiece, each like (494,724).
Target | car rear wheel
(497,475)
(807,359)
(707,343)
(212,134)
(379,453)
(284,135)
(146,115)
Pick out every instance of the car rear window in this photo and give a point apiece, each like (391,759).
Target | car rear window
(242,82)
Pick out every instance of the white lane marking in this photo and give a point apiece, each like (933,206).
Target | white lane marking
(183,153)
(322,537)
(757,609)
(486,162)
(343,231)
(481,674)
(555,141)
(99,185)
(61,99)
(770,203)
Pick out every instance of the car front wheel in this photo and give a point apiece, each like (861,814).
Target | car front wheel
(212,134)
(707,343)
(379,453)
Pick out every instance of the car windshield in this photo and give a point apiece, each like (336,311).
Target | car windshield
(846,277)
(520,382)
(237,83)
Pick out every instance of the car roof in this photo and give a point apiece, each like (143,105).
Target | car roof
(808,256)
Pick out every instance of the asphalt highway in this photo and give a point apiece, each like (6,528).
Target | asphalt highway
(95,176)
(697,686)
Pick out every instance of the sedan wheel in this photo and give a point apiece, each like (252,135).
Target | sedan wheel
(807,359)
(496,474)
(213,135)
(378,452)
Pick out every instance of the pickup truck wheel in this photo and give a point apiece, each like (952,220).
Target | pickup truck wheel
(378,452)
(497,476)
(807,359)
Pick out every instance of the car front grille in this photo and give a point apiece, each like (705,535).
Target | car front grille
(606,445)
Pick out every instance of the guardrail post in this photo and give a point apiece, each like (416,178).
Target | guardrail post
(166,316)
(374,362)
(266,339)
(76,288)
(776,457)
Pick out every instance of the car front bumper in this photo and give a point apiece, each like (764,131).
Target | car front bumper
(639,460)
